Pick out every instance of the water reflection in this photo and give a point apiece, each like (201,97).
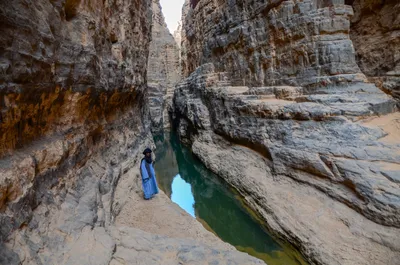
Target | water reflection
(182,194)
(199,192)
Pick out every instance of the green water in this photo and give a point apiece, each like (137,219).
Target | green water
(203,195)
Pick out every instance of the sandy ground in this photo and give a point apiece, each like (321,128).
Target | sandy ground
(163,217)
(389,123)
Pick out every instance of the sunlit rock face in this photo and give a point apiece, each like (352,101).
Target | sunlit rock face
(177,34)
(260,43)
(163,71)
(375,34)
(276,101)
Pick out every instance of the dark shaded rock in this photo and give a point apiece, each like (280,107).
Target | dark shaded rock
(374,32)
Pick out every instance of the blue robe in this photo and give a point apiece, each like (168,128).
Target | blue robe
(149,182)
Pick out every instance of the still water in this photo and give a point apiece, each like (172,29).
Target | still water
(204,196)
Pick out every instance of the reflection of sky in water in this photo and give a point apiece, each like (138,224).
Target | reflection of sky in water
(201,194)
(182,194)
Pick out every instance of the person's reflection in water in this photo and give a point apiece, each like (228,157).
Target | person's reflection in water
(149,181)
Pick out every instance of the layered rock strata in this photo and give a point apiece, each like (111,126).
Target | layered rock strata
(375,32)
(163,71)
(73,124)
(68,76)
(96,215)
(275,103)
(69,64)
(263,43)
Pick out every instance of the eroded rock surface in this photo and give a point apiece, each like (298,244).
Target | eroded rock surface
(375,32)
(163,71)
(96,215)
(69,64)
(261,43)
(304,148)
(73,124)
(69,75)
(275,103)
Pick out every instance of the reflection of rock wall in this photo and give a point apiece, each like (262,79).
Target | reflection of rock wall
(375,33)
(272,102)
(166,164)
(163,70)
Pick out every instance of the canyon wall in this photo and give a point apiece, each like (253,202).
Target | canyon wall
(375,32)
(271,42)
(74,121)
(70,70)
(276,102)
(69,64)
(163,71)
(72,79)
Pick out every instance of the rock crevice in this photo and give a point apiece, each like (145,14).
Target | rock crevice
(74,120)
(163,71)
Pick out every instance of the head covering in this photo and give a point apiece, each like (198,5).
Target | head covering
(147,150)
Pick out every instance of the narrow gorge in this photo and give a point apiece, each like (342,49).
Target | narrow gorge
(292,103)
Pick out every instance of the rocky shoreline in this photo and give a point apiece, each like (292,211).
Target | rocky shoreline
(308,167)
(281,100)
(74,119)
(96,215)
(293,103)
(326,204)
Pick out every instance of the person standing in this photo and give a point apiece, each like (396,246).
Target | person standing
(149,182)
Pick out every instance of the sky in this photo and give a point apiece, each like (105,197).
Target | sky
(172,10)
(182,194)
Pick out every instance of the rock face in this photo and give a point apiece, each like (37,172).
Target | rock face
(275,103)
(73,124)
(69,64)
(263,43)
(163,71)
(375,32)
(71,87)
(68,75)
(177,35)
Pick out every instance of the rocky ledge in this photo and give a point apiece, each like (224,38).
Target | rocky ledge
(73,123)
(320,175)
(275,102)
(96,215)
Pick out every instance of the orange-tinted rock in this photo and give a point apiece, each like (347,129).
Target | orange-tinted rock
(92,52)
(72,75)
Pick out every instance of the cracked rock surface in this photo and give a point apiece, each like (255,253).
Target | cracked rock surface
(277,100)
(320,175)
(163,71)
(73,124)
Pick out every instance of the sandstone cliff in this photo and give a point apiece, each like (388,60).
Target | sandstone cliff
(68,76)
(271,42)
(274,102)
(177,34)
(375,32)
(73,124)
(163,71)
